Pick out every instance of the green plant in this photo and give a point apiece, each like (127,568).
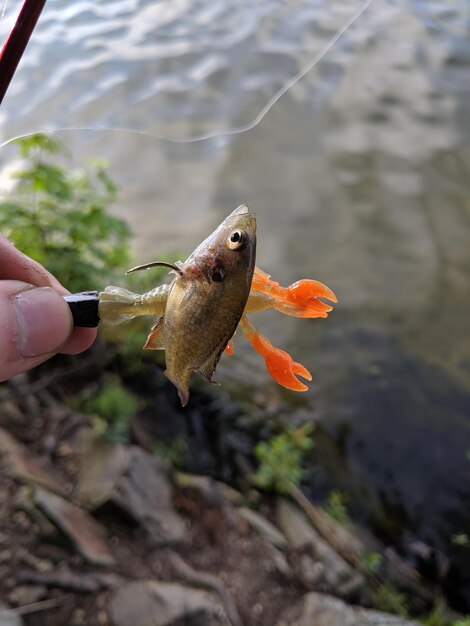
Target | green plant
(439,617)
(112,409)
(58,215)
(280,459)
(461,539)
(436,617)
(386,598)
(336,506)
(371,562)
(172,452)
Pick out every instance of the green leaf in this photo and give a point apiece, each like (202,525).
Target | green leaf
(112,409)
(280,459)
(59,215)
(38,142)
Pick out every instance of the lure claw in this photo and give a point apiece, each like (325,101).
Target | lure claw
(304,295)
(301,299)
(279,363)
(306,289)
(284,370)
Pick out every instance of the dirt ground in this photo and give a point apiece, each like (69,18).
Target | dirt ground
(42,572)
(218,544)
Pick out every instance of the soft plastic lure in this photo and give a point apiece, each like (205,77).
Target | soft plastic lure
(213,292)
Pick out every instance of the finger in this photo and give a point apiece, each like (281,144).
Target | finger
(14,265)
(34,324)
(81,339)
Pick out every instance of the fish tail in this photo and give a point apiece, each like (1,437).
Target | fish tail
(117,305)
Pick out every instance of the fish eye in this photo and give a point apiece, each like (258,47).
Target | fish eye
(237,240)
(217,277)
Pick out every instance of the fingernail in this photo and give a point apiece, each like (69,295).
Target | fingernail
(44,321)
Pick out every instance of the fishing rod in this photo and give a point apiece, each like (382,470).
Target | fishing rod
(17,41)
(84,306)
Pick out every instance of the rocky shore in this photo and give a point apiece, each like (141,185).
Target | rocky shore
(99,533)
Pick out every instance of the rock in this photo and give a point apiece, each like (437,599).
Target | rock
(294,524)
(136,482)
(212,491)
(280,562)
(25,501)
(145,493)
(152,603)
(319,564)
(27,594)
(312,571)
(102,467)
(24,466)
(344,542)
(88,536)
(32,561)
(323,610)
(10,414)
(8,617)
(395,570)
(263,527)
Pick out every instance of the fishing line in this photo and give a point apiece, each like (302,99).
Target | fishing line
(243,128)
(236,130)
(4,8)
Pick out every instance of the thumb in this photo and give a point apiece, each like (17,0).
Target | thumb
(34,323)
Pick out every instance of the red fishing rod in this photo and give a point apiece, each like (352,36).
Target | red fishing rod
(84,306)
(17,41)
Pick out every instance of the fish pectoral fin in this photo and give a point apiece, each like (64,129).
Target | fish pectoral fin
(207,369)
(156,338)
(183,392)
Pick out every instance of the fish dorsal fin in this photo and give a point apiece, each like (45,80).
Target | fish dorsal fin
(207,369)
(156,338)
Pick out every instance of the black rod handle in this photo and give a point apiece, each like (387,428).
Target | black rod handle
(84,308)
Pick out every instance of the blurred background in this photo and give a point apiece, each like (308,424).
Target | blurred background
(359,177)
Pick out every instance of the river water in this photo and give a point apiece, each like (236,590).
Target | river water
(359,176)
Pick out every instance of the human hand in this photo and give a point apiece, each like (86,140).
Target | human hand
(35,321)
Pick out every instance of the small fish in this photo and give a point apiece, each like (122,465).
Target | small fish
(205,301)
(214,289)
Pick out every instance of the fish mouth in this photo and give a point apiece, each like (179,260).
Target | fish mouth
(241,210)
(242,217)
